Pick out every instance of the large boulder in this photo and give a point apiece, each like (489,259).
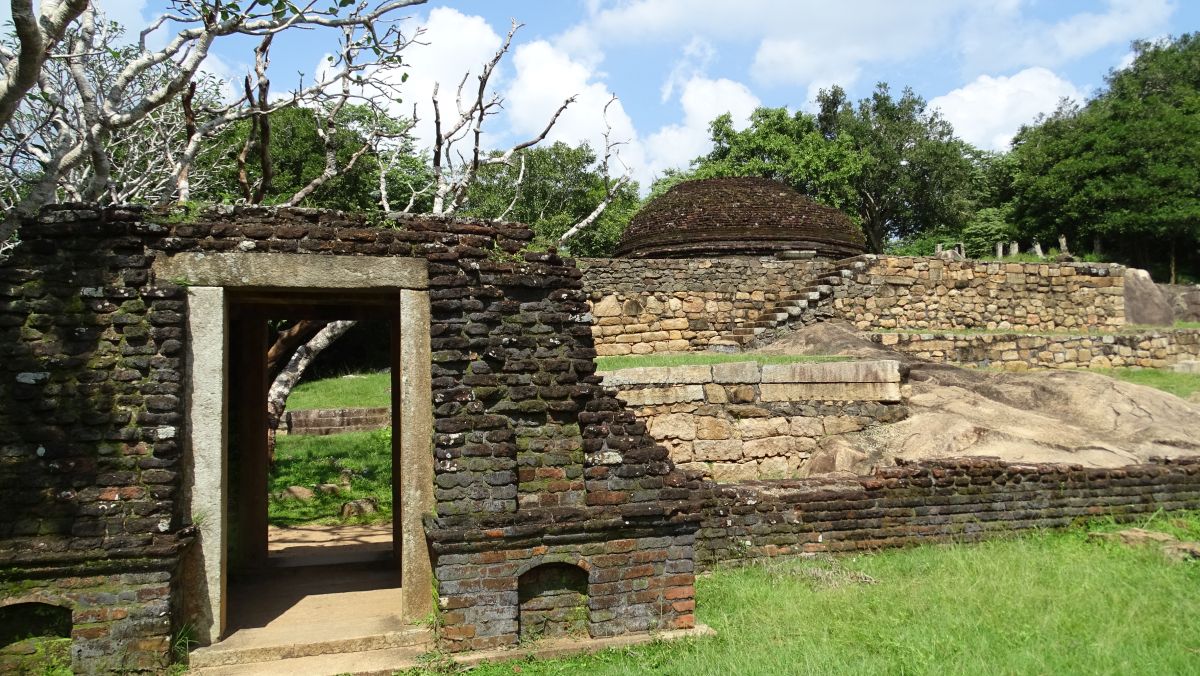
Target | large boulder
(1184,300)
(1145,303)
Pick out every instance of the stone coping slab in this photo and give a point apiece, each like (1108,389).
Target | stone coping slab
(750,372)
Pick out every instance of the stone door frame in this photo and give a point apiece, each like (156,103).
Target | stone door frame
(206,483)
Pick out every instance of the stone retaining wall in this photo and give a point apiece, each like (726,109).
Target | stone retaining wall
(667,305)
(670,305)
(337,420)
(968,499)
(1014,351)
(739,421)
(897,292)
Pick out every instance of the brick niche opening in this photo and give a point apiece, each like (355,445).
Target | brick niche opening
(553,601)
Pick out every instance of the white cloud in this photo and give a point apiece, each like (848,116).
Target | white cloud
(702,99)
(454,45)
(545,77)
(697,55)
(1000,36)
(989,110)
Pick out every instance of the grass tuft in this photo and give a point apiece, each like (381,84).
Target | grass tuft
(305,460)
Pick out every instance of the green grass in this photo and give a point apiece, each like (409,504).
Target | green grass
(306,460)
(699,358)
(1045,603)
(1187,325)
(357,390)
(1178,384)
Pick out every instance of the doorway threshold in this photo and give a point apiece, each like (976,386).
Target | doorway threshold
(313,610)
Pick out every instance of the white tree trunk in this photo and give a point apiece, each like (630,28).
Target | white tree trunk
(277,395)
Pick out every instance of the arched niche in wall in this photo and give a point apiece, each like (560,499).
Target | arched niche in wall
(553,601)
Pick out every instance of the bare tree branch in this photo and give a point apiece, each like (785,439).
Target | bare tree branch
(37,35)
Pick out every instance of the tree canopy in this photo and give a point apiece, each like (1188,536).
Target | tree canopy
(1125,167)
(891,163)
(558,186)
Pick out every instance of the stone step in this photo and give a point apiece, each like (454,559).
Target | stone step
(231,653)
(748,330)
(382,662)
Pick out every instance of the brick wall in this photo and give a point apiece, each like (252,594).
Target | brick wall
(90,412)
(1015,351)
(741,421)
(967,499)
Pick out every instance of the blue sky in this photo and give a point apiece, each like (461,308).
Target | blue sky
(989,65)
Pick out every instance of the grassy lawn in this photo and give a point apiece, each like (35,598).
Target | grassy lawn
(1045,603)
(304,460)
(1178,384)
(697,358)
(357,390)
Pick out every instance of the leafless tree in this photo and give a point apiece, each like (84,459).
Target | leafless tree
(454,172)
(611,188)
(81,114)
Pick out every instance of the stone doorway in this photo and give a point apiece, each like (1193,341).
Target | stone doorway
(230,298)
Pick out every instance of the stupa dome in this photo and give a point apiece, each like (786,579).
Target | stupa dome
(738,217)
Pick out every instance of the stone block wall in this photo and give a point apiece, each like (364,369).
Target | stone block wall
(667,305)
(1015,351)
(742,421)
(336,420)
(672,305)
(900,292)
(967,499)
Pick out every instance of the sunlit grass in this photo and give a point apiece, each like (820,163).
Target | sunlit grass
(363,458)
(1045,603)
(357,390)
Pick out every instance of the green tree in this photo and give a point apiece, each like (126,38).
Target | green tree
(1125,167)
(915,175)
(893,165)
(559,186)
(297,154)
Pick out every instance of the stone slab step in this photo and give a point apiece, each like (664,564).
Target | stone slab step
(224,654)
(361,663)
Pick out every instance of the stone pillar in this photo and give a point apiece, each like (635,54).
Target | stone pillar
(205,485)
(1013,248)
(999,249)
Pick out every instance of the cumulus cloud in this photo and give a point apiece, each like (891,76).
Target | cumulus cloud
(453,45)
(545,77)
(702,99)
(988,111)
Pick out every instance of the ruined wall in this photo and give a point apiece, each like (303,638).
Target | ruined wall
(1184,301)
(648,306)
(899,292)
(90,414)
(336,420)
(672,305)
(966,499)
(527,444)
(742,421)
(1015,351)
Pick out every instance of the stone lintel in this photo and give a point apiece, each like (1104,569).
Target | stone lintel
(305,271)
(881,371)
(659,375)
(741,372)
(830,392)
